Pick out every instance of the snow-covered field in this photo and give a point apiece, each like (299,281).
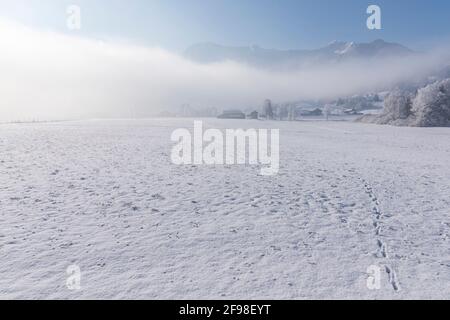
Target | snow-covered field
(104,195)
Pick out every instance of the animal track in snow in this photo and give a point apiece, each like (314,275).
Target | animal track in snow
(393,278)
(382,247)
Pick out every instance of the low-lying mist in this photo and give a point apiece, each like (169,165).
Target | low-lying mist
(50,76)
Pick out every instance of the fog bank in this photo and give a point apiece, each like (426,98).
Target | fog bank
(46,76)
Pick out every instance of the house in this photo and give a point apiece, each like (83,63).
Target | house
(311,113)
(352,112)
(254,115)
(232,114)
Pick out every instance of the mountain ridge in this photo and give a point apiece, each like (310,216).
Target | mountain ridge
(336,51)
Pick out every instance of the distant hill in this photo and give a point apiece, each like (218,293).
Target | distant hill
(332,53)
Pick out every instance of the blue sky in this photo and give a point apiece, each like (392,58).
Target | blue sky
(283,24)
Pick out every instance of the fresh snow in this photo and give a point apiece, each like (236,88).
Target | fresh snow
(104,195)
(346,49)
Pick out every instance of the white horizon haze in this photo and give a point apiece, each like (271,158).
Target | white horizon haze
(52,76)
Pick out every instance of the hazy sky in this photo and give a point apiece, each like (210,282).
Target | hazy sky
(293,24)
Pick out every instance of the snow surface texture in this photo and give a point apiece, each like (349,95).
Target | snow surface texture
(104,195)
(430,107)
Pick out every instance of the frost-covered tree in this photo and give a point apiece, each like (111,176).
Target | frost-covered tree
(398,105)
(268,109)
(397,109)
(429,107)
(291,113)
(432,105)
